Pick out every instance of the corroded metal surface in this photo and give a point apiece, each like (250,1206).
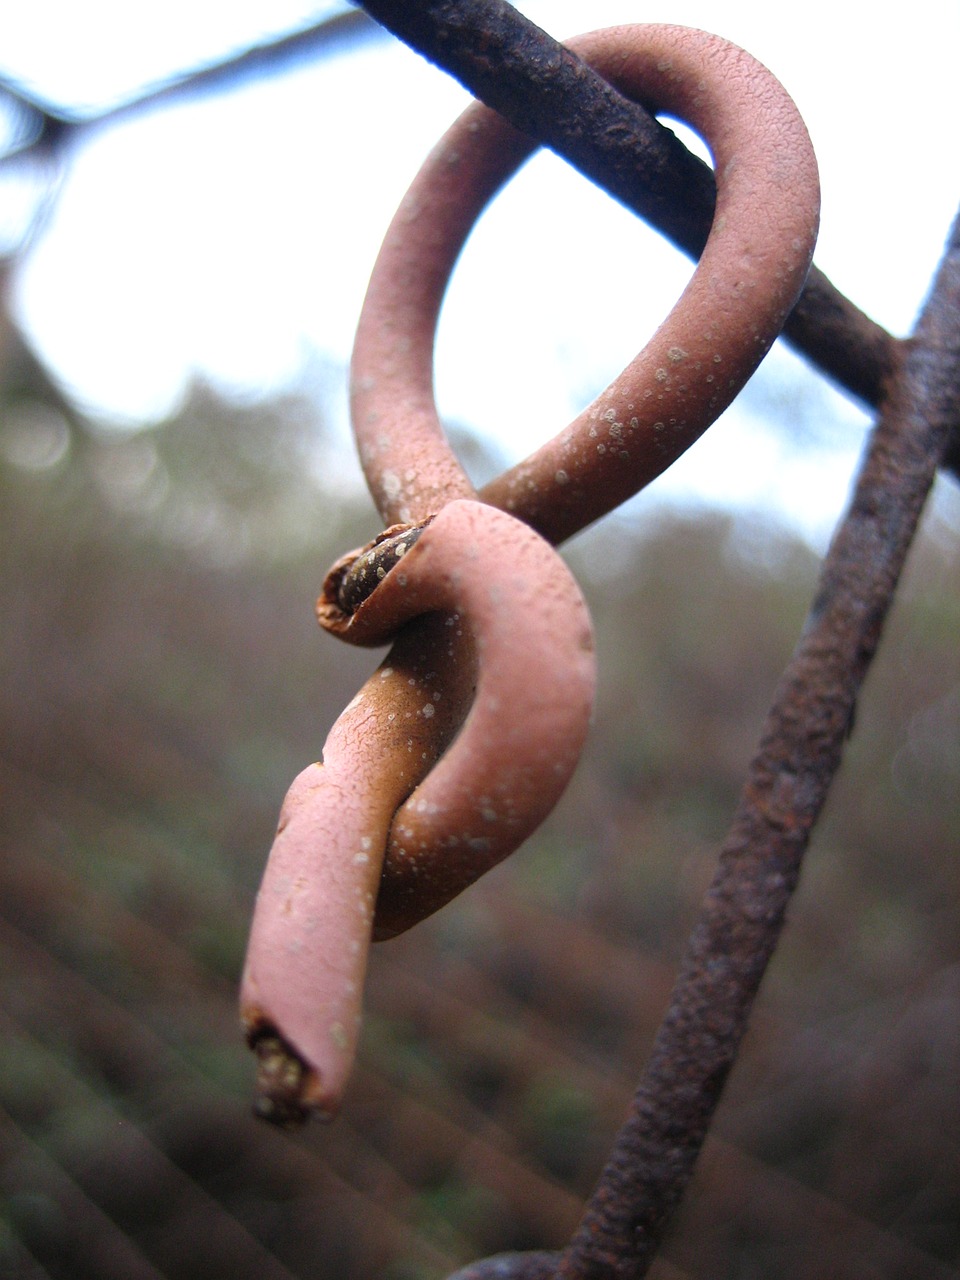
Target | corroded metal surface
(413,474)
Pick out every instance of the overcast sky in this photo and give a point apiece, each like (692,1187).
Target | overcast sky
(233,236)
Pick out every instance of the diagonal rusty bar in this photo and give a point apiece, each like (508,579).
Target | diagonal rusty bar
(546,91)
(787,784)
(799,753)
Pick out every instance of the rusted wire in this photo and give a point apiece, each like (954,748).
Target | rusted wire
(47,129)
(550,94)
(802,744)
(918,385)
(383,798)
(787,784)
(749,276)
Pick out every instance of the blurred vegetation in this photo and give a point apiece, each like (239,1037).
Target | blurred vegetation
(162,682)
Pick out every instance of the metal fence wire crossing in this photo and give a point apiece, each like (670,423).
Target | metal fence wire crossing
(465,736)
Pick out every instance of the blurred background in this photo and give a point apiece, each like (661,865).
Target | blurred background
(181,282)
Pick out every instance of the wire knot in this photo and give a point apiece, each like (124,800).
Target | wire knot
(464,738)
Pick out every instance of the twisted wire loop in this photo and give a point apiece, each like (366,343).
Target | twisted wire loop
(749,276)
(518,697)
(465,737)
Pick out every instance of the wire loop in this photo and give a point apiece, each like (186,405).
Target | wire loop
(749,276)
(464,738)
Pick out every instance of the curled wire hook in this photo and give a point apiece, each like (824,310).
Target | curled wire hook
(519,703)
(463,740)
